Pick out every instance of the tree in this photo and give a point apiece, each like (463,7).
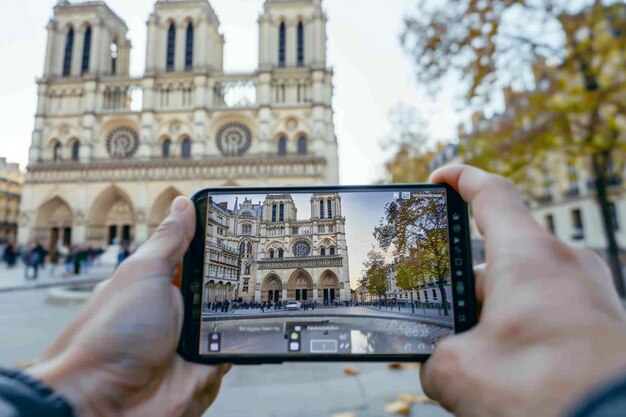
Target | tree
(565,57)
(416,230)
(409,141)
(375,275)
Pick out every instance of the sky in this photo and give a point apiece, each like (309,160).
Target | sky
(362,211)
(372,74)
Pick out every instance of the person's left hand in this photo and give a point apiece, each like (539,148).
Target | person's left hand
(118,357)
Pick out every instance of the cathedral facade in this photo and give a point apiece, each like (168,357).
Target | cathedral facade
(110,151)
(262,251)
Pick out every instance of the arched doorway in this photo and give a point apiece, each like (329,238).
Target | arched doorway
(329,287)
(111,219)
(53,224)
(300,285)
(272,289)
(161,207)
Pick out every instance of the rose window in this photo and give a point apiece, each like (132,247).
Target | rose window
(301,249)
(122,142)
(234,139)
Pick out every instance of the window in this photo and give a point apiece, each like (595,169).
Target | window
(577,223)
(322,209)
(271,253)
(246,229)
(550,223)
(281,212)
(186,148)
(67,56)
(613,215)
(302,145)
(323,252)
(321,228)
(274,213)
(113,58)
(434,294)
(281,253)
(282,45)
(56,151)
(282,146)
(189,48)
(426,295)
(330,209)
(300,44)
(247,269)
(86,51)
(76,151)
(171,48)
(331,250)
(165,150)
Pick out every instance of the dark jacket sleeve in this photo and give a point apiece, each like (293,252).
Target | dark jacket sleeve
(608,401)
(23,396)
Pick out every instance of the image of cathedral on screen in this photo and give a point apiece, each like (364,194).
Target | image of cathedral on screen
(111,151)
(262,251)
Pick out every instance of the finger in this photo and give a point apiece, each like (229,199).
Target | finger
(160,254)
(500,212)
(440,374)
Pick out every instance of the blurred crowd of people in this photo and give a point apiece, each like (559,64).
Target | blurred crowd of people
(60,260)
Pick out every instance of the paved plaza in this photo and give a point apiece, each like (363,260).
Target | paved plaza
(30,322)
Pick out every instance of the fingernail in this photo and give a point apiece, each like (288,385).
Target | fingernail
(180,205)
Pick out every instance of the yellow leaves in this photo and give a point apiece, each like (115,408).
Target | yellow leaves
(404,402)
(345,414)
(398,407)
(351,371)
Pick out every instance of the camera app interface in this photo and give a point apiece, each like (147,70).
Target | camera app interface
(326,273)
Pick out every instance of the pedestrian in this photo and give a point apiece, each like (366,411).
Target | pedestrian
(10,256)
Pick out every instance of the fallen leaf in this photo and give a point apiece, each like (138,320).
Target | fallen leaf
(346,414)
(415,399)
(398,407)
(403,366)
(351,371)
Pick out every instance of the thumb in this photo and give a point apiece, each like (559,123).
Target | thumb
(160,254)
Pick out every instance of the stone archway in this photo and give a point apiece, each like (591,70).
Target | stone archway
(53,224)
(328,287)
(161,208)
(300,285)
(272,288)
(111,219)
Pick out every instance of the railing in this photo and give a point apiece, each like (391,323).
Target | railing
(221,246)
(121,96)
(306,262)
(237,91)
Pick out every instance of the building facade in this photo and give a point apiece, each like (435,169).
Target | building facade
(110,152)
(11,183)
(262,251)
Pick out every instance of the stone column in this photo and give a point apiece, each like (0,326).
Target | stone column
(291,44)
(141,227)
(152,44)
(179,55)
(77,51)
(51,50)
(98,55)
(201,44)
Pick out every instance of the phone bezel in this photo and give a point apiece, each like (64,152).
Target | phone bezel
(192,293)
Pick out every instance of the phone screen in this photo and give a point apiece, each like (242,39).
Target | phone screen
(324,273)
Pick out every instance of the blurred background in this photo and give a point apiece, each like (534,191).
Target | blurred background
(109,110)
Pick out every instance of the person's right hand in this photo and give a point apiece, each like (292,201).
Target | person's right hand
(551,329)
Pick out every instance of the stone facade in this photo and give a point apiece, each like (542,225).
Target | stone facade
(263,251)
(11,183)
(110,152)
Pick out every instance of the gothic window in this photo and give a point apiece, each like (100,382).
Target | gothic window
(301,249)
(246,229)
(167,144)
(302,145)
(323,251)
(189,48)
(281,253)
(300,44)
(171,48)
(75,151)
(322,209)
(282,45)
(113,58)
(185,151)
(272,253)
(56,151)
(67,56)
(330,209)
(249,248)
(273,212)
(282,146)
(86,51)
(332,250)
(281,213)
(242,248)
(247,269)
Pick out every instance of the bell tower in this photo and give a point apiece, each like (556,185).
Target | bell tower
(86,40)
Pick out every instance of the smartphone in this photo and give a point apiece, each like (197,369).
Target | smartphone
(363,273)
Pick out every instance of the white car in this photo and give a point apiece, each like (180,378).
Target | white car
(294,305)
